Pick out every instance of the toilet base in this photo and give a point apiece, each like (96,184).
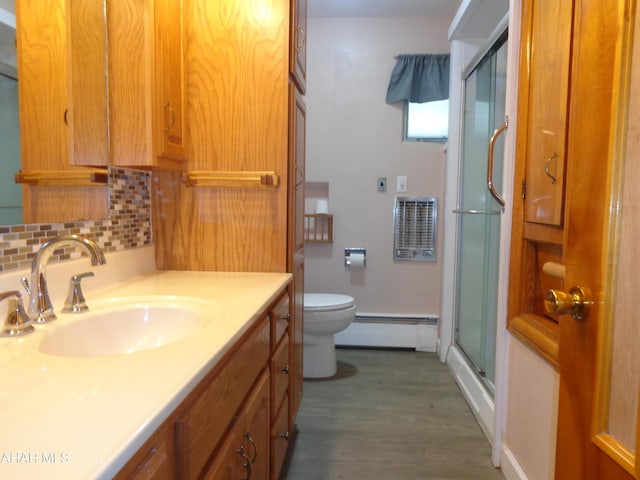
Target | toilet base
(319,356)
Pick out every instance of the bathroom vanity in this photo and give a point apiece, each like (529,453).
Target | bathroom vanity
(211,403)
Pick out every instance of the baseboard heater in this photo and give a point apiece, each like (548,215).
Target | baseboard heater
(391,330)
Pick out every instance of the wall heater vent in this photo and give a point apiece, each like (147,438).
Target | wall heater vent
(415,229)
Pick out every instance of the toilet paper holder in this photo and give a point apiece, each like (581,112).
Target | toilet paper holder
(349,251)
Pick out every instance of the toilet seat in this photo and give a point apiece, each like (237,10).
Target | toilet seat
(327,302)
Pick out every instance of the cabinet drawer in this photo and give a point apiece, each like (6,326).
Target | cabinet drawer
(279,438)
(280,372)
(280,317)
(205,421)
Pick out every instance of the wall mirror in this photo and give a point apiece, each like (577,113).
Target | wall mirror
(71,39)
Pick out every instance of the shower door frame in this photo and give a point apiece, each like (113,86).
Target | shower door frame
(485,213)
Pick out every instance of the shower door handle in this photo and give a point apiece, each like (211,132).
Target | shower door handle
(492,144)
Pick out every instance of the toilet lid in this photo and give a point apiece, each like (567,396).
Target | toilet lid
(327,301)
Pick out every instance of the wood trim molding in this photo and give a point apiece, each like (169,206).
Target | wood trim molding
(230,179)
(64,178)
(539,333)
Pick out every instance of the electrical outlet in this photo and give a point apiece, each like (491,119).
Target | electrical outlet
(401,184)
(382,184)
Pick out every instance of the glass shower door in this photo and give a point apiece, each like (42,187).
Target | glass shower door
(479,213)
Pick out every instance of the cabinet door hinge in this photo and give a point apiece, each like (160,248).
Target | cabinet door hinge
(524,188)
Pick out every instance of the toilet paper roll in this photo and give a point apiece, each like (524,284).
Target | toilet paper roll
(322,205)
(357,260)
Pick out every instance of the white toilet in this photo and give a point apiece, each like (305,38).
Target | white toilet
(324,315)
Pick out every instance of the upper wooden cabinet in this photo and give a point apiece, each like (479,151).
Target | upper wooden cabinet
(62,101)
(298,45)
(147,118)
(547,57)
(237,108)
(297,137)
(538,231)
(62,87)
(171,130)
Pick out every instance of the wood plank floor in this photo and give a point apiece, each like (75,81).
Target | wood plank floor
(389,415)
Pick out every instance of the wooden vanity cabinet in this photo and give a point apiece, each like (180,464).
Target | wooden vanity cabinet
(147,92)
(226,426)
(203,423)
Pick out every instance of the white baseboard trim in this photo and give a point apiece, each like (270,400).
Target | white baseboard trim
(510,467)
(481,403)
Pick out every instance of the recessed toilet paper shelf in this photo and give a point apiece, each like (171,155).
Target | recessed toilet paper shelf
(318,227)
(355,257)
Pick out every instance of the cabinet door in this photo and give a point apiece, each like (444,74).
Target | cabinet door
(87,106)
(255,426)
(44,76)
(548,69)
(298,49)
(231,462)
(245,451)
(297,138)
(170,80)
(62,87)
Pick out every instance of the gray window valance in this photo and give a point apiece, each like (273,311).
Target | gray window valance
(419,78)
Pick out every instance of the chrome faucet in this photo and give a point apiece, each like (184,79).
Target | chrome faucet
(40,309)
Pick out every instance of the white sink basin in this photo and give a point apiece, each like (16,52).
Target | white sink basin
(126,325)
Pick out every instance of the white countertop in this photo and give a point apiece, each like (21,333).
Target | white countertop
(76,418)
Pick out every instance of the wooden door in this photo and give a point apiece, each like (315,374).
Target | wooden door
(599,363)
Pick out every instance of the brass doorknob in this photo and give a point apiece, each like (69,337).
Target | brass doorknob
(576,302)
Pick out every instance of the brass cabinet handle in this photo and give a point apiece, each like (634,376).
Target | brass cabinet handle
(492,144)
(301,35)
(576,302)
(247,435)
(285,436)
(172,121)
(285,369)
(546,167)
(299,175)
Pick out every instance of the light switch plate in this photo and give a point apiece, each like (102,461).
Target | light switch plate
(401,184)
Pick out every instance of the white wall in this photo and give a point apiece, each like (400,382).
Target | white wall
(529,442)
(354,137)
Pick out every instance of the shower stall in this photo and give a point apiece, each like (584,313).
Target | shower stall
(479,211)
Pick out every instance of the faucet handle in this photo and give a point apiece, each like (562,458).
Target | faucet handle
(17,322)
(75,302)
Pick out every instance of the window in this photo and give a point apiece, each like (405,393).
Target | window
(426,122)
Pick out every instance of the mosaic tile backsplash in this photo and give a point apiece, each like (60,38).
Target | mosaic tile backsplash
(128,225)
